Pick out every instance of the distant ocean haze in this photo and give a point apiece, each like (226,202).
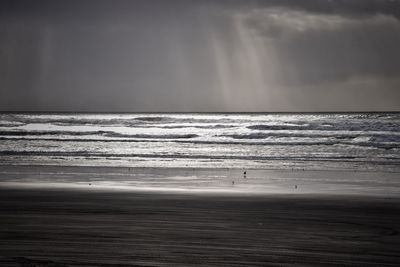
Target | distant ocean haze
(326,141)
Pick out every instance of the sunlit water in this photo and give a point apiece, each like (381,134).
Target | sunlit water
(360,142)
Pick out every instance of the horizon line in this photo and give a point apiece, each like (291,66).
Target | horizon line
(188,112)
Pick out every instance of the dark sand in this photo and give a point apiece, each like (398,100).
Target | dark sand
(55,227)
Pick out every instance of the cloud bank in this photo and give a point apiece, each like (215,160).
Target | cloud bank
(228,56)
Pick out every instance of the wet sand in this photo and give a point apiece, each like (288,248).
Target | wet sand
(76,227)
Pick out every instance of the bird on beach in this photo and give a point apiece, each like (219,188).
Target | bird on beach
(244,174)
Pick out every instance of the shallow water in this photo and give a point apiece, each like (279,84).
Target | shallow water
(202,181)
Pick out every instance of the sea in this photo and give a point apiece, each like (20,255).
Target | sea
(269,141)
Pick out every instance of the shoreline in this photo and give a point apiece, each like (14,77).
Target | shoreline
(197,112)
(202,180)
(127,168)
(199,194)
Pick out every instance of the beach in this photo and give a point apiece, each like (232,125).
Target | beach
(87,226)
(191,189)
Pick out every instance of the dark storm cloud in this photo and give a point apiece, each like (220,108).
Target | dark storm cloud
(331,41)
(338,55)
(90,55)
(155,55)
(333,53)
(353,8)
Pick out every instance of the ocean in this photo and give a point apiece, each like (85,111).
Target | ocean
(199,189)
(321,141)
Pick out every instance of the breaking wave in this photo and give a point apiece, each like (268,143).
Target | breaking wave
(240,140)
(97,133)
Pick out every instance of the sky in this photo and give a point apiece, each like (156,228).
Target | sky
(199,56)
